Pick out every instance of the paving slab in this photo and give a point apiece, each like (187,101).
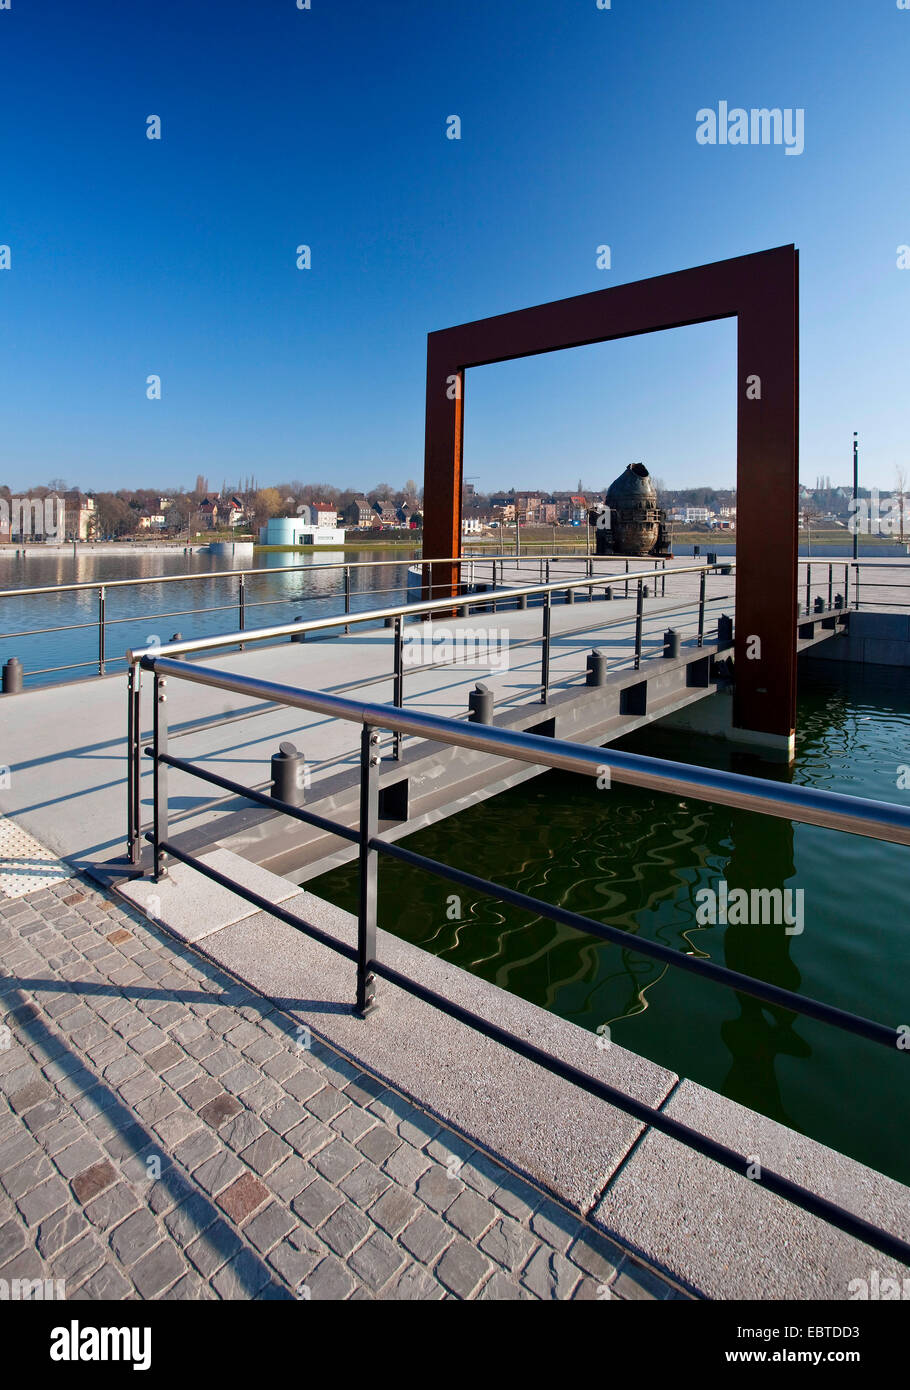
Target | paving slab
(545,1127)
(193,906)
(214,1217)
(727,1233)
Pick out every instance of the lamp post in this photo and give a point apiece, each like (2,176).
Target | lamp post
(855,495)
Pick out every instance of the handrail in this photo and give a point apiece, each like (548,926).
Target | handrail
(883,820)
(91,584)
(368,615)
(835,810)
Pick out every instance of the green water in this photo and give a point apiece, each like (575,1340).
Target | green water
(636,859)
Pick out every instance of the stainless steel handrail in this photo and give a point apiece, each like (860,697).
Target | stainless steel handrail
(882,820)
(438,605)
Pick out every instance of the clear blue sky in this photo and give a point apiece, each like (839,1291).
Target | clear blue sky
(328,127)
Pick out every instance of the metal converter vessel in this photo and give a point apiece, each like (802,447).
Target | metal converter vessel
(629,521)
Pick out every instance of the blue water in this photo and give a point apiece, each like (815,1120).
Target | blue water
(137,614)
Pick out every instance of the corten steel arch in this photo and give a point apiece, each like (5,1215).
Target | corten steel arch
(761,292)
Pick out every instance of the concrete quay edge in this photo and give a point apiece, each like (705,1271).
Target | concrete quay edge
(717,1234)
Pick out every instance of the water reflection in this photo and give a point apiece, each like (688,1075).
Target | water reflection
(195,608)
(762,857)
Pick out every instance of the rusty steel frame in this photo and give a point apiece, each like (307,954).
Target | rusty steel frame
(761,291)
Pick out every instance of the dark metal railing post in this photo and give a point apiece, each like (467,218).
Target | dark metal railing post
(398,682)
(639,618)
(663,579)
(241,605)
(701,608)
(830,585)
(132,838)
(856,586)
(545,649)
(847,585)
(369,871)
(626,595)
(159,779)
(101,631)
(347,595)
(808,588)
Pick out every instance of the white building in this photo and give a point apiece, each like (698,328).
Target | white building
(297,530)
(320,515)
(688,514)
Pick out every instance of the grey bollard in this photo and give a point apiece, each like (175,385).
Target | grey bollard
(671,642)
(838,600)
(522,600)
(288,774)
(726,569)
(12,676)
(480,705)
(645,591)
(596,668)
(299,636)
(724,629)
(570,595)
(819,604)
(712,557)
(388,622)
(608,591)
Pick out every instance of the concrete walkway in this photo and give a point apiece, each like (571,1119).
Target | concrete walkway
(66,745)
(168,1133)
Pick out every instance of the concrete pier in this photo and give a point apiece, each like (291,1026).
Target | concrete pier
(191,1108)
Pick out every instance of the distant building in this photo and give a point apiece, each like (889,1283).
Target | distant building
(688,515)
(85,521)
(319,514)
(234,512)
(209,511)
(297,530)
(151,521)
(358,513)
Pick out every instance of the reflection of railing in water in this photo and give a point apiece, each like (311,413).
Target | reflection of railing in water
(880,820)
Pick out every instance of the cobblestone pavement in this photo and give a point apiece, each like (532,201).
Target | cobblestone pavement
(167,1133)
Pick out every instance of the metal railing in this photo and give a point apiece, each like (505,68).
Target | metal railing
(854,815)
(395,618)
(241,604)
(103,622)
